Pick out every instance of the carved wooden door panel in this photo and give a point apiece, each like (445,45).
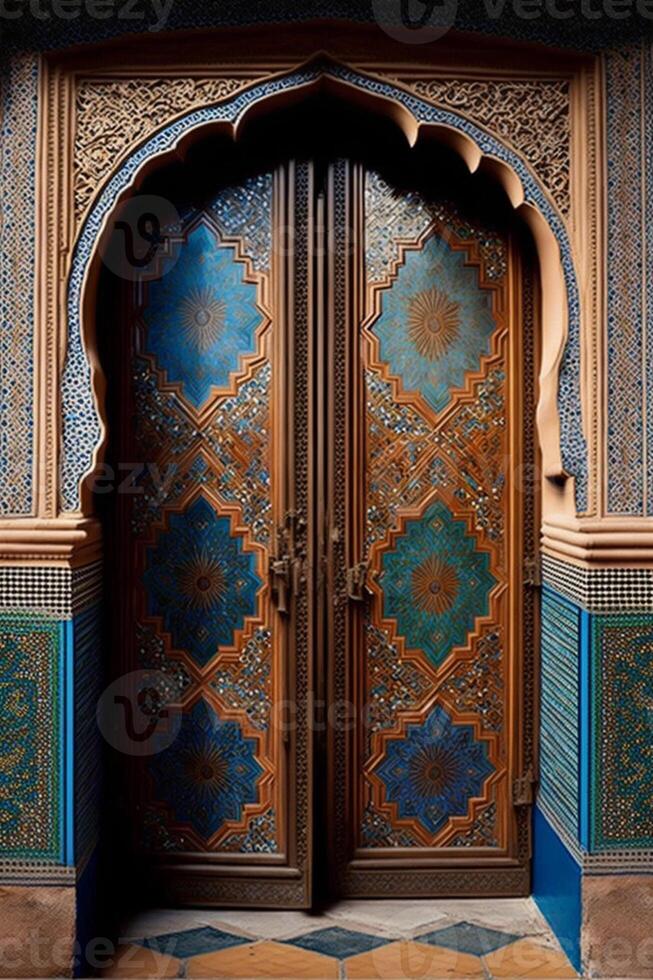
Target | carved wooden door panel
(431,520)
(323,561)
(221,811)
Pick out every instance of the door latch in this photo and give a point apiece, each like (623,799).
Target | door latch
(280,575)
(286,567)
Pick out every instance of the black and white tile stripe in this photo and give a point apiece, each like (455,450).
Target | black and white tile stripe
(601,590)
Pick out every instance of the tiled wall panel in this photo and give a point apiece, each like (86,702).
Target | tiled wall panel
(32,751)
(622,698)
(559,709)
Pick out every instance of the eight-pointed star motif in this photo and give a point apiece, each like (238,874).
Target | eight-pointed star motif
(433,771)
(435,583)
(435,322)
(200,581)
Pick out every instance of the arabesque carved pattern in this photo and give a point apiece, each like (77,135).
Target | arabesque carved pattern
(114,115)
(531,116)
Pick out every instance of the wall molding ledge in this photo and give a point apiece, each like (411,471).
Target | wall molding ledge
(69,541)
(604,542)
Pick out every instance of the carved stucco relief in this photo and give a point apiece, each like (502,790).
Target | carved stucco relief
(113,116)
(533,117)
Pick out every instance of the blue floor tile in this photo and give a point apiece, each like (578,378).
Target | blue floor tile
(465,937)
(337,942)
(192,942)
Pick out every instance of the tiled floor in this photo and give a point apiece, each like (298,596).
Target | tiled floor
(356,940)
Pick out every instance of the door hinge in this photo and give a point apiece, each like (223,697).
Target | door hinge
(522,789)
(357,587)
(532,573)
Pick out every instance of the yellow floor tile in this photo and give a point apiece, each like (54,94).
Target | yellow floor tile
(416,961)
(138,961)
(527,958)
(267,959)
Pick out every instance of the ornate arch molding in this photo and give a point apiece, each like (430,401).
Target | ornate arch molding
(560,379)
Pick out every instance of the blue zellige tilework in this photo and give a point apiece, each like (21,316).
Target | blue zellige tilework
(559,709)
(337,942)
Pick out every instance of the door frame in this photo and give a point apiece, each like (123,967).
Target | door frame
(222,65)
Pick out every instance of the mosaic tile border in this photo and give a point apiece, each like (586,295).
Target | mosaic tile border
(18,122)
(81,426)
(596,762)
(601,590)
(618,860)
(35,873)
(63,604)
(629,120)
(560,746)
(53,590)
(88,685)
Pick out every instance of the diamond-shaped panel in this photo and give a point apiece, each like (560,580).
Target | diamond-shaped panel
(435,583)
(201,316)
(465,937)
(435,322)
(209,773)
(338,942)
(200,581)
(433,771)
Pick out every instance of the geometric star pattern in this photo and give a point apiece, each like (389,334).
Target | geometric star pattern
(200,581)
(435,583)
(433,771)
(435,323)
(209,773)
(199,373)
(436,521)
(201,316)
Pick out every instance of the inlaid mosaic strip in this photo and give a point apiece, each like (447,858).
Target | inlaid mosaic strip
(627,189)
(601,590)
(618,860)
(57,591)
(18,114)
(88,679)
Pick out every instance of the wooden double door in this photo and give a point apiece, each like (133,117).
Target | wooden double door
(329,385)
